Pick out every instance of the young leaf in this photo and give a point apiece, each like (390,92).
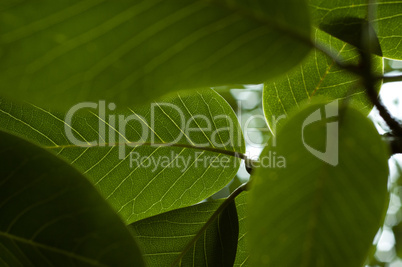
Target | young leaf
(52,216)
(318,76)
(164,236)
(333,15)
(62,52)
(324,207)
(142,176)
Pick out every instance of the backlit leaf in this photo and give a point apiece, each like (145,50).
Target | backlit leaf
(317,76)
(386,22)
(145,177)
(130,51)
(324,207)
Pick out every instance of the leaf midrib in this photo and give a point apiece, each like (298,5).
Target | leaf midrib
(327,71)
(210,149)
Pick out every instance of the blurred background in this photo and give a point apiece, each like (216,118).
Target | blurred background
(388,241)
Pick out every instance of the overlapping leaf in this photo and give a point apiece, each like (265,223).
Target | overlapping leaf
(133,166)
(62,52)
(243,253)
(326,205)
(387,19)
(317,76)
(164,236)
(52,216)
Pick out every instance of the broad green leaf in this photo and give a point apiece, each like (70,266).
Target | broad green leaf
(61,52)
(164,236)
(386,22)
(317,76)
(324,206)
(243,253)
(52,216)
(142,176)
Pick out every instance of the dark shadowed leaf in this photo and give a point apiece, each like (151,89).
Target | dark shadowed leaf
(328,202)
(163,237)
(352,30)
(52,216)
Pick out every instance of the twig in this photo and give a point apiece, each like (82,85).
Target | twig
(390,79)
(369,79)
(393,124)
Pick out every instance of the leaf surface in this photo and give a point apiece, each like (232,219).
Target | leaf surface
(131,164)
(318,77)
(58,53)
(243,253)
(52,216)
(324,207)
(163,237)
(386,22)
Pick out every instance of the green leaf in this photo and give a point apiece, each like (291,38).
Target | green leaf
(243,252)
(317,76)
(319,211)
(62,52)
(145,177)
(354,31)
(386,22)
(52,216)
(163,237)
